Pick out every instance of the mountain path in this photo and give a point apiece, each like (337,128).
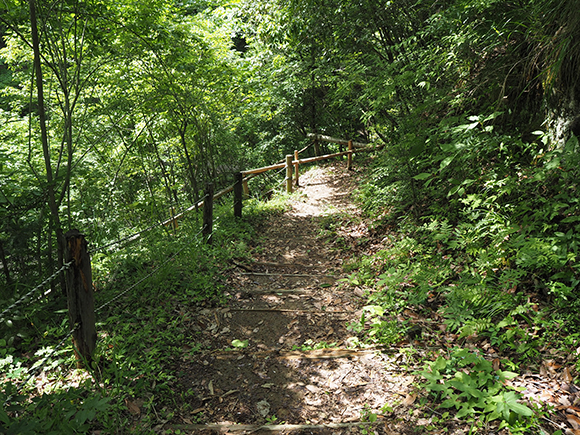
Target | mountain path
(281,357)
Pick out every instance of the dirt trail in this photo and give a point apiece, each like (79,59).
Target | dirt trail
(282,358)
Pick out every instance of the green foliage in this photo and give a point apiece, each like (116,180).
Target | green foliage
(137,348)
(311,345)
(375,327)
(467,382)
(180,94)
(66,412)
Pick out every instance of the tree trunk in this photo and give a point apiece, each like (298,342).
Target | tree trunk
(5,268)
(190,169)
(52,203)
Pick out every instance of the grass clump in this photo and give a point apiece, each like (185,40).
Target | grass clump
(143,333)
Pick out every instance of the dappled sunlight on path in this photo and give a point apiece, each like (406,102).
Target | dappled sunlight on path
(281,353)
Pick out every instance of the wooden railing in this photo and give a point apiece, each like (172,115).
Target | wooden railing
(78,267)
(291,163)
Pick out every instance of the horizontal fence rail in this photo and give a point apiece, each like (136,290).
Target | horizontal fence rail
(78,272)
(335,140)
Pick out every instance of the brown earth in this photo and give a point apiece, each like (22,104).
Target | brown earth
(296,363)
(282,357)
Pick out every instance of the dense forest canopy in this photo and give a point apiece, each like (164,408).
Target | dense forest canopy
(113,113)
(143,102)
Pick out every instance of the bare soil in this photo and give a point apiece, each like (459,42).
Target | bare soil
(295,370)
(281,357)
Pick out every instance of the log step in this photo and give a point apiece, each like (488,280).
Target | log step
(256,429)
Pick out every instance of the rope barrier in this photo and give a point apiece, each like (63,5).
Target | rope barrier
(37,366)
(135,235)
(148,276)
(35,289)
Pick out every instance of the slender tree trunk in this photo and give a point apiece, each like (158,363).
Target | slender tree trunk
(39,241)
(5,268)
(52,203)
(190,168)
(171,193)
(313,114)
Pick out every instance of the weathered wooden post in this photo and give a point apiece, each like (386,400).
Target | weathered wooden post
(238,194)
(289,168)
(349,157)
(296,171)
(172,216)
(316,146)
(80,297)
(207,230)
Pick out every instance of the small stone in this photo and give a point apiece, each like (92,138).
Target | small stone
(263,408)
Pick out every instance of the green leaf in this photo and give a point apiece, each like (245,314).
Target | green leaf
(240,343)
(554,163)
(506,375)
(417,149)
(445,162)
(511,400)
(439,364)
(468,390)
(465,410)
(4,416)
(374,310)
(422,176)
(450,403)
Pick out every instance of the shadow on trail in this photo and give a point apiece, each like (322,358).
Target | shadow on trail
(277,352)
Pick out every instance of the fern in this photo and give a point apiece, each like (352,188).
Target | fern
(475,326)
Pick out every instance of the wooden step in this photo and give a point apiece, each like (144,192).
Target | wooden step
(267,428)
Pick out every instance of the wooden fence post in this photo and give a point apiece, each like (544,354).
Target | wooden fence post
(80,297)
(238,194)
(173,219)
(289,168)
(316,147)
(296,170)
(208,214)
(349,158)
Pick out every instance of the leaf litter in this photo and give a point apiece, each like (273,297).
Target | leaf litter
(280,356)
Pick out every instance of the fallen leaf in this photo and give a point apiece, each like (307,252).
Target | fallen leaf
(133,407)
(566,375)
(409,400)
(573,420)
(210,387)
(573,410)
(263,408)
(496,364)
(564,401)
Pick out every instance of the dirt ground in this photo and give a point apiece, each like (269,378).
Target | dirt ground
(281,356)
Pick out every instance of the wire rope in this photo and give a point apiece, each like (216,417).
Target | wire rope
(35,289)
(147,276)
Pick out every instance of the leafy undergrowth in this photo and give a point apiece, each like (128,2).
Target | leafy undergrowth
(140,331)
(479,255)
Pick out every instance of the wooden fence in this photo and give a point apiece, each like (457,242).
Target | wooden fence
(79,281)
